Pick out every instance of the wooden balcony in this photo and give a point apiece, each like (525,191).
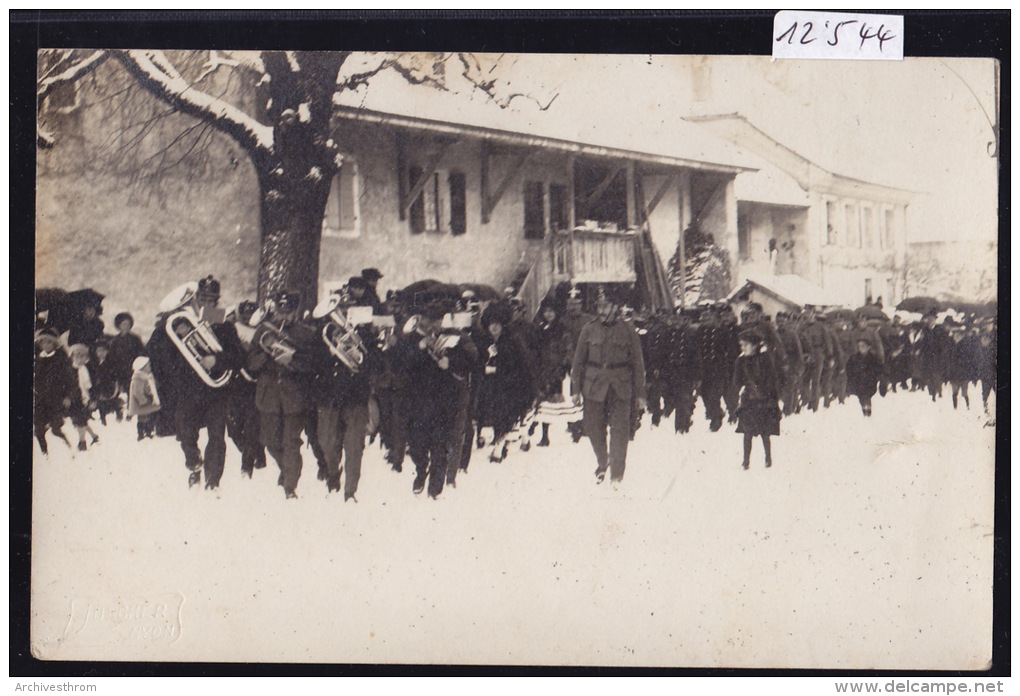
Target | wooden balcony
(596,256)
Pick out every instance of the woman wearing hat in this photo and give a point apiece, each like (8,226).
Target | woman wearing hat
(756,377)
(504,393)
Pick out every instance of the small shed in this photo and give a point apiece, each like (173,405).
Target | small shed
(780,293)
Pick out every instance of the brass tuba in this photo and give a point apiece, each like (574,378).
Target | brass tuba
(199,341)
(339,334)
(271,338)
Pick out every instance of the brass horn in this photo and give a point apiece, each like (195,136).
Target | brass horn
(339,334)
(270,337)
(435,343)
(198,342)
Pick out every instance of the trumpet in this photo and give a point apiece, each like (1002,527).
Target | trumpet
(199,342)
(386,330)
(340,334)
(271,338)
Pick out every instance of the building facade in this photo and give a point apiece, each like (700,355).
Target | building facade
(845,235)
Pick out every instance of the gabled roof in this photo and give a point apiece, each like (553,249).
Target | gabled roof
(789,288)
(810,176)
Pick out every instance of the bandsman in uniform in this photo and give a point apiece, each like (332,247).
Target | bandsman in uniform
(195,403)
(282,359)
(431,397)
(341,393)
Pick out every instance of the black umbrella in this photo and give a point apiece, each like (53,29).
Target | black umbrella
(842,313)
(52,309)
(483,293)
(871,311)
(920,305)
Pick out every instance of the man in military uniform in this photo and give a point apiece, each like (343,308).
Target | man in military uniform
(719,349)
(684,373)
(194,403)
(787,330)
(282,358)
(819,356)
(609,371)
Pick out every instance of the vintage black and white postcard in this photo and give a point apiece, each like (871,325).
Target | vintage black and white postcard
(477,358)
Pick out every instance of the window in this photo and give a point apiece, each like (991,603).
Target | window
(831,224)
(534,210)
(867,228)
(853,231)
(868,297)
(559,214)
(458,203)
(425,208)
(441,207)
(743,238)
(341,219)
(889,231)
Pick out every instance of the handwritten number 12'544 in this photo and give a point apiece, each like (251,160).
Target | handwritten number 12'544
(865,33)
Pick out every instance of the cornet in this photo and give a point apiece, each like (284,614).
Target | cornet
(339,334)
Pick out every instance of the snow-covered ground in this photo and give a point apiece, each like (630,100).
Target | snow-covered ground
(867,545)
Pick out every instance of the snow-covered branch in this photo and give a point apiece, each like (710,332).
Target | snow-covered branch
(214,62)
(70,74)
(149,68)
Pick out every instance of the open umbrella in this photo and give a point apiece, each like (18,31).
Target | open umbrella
(422,292)
(52,309)
(871,311)
(920,305)
(841,313)
(483,293)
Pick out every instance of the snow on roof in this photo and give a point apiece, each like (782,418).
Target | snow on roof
(739,130)
(791,288)
(646,127)
(769,185)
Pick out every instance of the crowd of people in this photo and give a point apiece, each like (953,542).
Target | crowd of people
(439,372)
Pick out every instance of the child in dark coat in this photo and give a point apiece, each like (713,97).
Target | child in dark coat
(55,386)
(124,348)
(863,370)
(756,378)
(105,392)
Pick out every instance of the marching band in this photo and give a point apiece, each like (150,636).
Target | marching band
(435,372)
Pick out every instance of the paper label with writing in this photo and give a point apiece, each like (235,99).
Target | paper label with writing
(837,36)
